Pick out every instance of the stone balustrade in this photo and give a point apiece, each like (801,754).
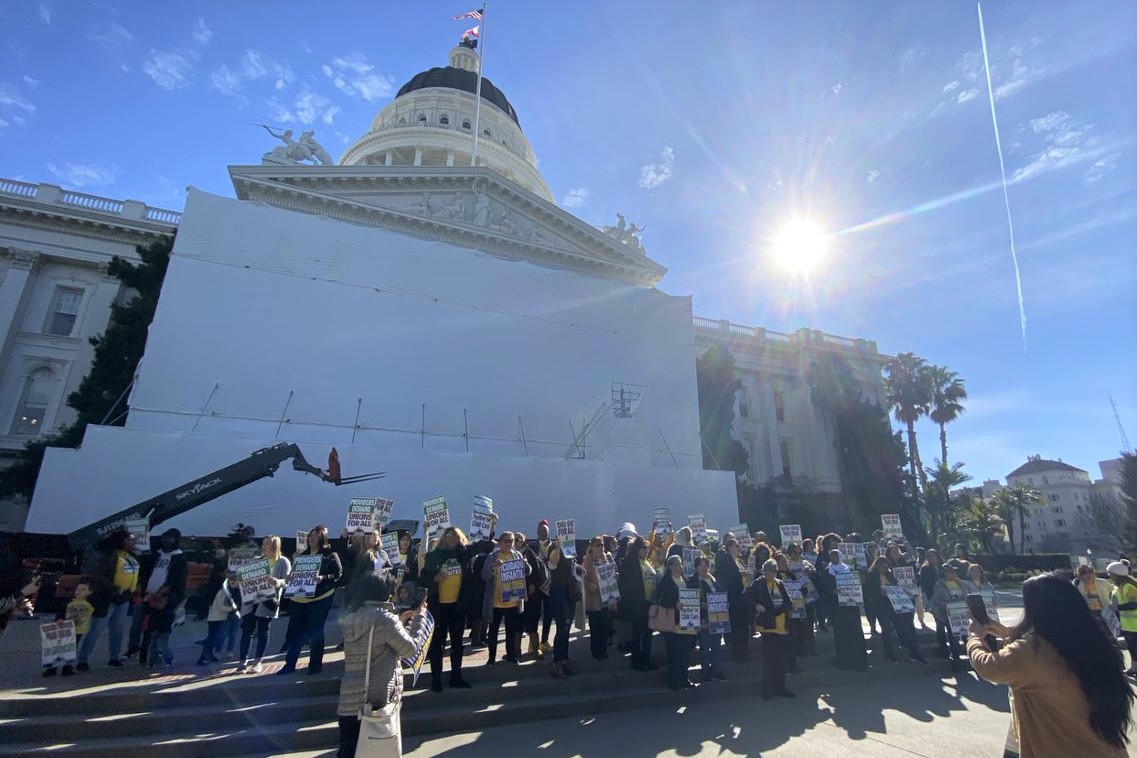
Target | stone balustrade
(55,195)
(720,328)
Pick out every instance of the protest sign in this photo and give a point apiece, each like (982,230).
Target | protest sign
(389,541)
(382,514)
(301,541)
(718,612)
(890,525)
(810,590)
(796,591)
(710,536)
(302,582)
(422,640)
(698,524)
(989,602)
(242,555)
(511,580)
(906,577)
(849,590)
(742,532)
(481,519)
(689,611)
(609,585)
(661,522)
(139,530)
(361,515)
(690,555)
(256,580)
(853,553)
(790,533)
(900,599)
(566,536)
(959,617)
(58,642)
(436,515)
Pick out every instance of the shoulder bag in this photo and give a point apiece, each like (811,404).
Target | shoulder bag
(659,618)
(380,733)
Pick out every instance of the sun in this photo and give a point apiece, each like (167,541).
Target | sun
(800,246)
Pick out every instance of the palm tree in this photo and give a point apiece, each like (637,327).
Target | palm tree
(938,500)
(1015,502)
(982,518)
(908,392)
(947,392)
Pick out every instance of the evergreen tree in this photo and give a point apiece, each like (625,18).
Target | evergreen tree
(101,397)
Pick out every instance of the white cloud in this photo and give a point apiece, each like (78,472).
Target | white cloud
(1066,141)
(171,69)
(226,81)
(305,47)
(109,35)
(352,75)
(837,88)
(201,32)
(951,87)
(252,67)
(308,107)
(575,197)
(911,57)
(654,174)
(83,175)
(31,82)
(872,176)
(15,107)
(45,11)
(969,94)
(1013,69)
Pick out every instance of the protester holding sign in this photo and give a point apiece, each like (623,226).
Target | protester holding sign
(308,614)
(708,639)
(373,634)
(894,610)
(678,645)
(600,595)
(443,574)
(637,581)
(407,558)
(845,614)
(977,583)
(949,606)
(729,570)
(504,571)
(564,591)
(257,613)
(771,604)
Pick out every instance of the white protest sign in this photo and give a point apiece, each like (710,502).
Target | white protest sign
(853,553)
(742,532)
(901,601)
(959,617)
(436,516)
(690,556)
(361,515)
(302,582)
(690,617)
(849,591)
(906,578)
(795,589)
(241,555)
(383,508)
(698,524)
(609,585)
(790,533)
(256,581)
(139,529)
(481,520)
(566,536)
(301,541)
(890,526)
(988,594)
(389,541)
(58,642)
(661,521)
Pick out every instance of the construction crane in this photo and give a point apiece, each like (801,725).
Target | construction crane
(1125,446)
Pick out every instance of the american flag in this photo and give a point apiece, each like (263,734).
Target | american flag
(475,32)
(475,15)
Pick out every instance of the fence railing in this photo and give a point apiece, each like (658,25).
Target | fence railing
(802,336)
(52,194)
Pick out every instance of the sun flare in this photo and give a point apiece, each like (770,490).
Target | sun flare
(800,246)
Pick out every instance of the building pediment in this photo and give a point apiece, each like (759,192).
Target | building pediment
(468,207)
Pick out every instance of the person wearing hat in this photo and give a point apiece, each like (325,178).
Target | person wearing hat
(168,570)
(1125,595)
(949,589)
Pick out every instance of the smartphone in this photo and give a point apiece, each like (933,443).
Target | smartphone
(978,609)
(420,598)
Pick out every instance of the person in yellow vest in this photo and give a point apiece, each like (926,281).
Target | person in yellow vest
(116,580)
(770,601)
(1125,594)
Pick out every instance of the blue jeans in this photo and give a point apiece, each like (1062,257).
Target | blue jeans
(678,657)
(562,607)
(306,626)
(232,632)
(160,648)
(709,645)
(113,621)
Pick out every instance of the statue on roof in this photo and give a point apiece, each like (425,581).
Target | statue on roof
(625,233)
(305,151)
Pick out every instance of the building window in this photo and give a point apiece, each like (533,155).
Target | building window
(743,403)
(466,124)
(1059,522)
(787,462)
(64,311)
(1028,538)
(422,118)
(779,405)
(1053,498)
(486,133)
(33,403)
(445,120)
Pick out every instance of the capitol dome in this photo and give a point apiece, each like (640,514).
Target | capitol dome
(430,123)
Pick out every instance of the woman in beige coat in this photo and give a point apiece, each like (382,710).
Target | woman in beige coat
(1069,695)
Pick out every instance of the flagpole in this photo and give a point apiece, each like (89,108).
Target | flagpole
(478,92)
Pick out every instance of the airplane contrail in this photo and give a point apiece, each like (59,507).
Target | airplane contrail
(1003,172)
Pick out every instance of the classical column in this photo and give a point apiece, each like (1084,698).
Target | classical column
(387,159)
(418,156)
(770,416)
(14,293)
(449,157)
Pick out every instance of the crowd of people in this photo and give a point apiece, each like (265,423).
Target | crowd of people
(780,597)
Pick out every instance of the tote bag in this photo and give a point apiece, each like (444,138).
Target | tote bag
(380,732)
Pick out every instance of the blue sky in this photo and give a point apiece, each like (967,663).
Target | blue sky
(711,123)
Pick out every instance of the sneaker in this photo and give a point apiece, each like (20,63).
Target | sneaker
(546,647)
(241,667)
(82,666)
(257,667)
(114,663)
